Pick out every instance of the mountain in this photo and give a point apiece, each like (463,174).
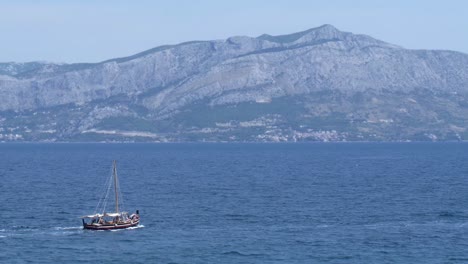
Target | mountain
(321,84)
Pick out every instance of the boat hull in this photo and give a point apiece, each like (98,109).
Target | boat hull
(110,226)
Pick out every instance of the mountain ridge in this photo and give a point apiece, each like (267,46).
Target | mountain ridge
(365,85)
(328,27)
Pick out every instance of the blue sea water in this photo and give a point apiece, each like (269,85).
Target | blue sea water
(239,203)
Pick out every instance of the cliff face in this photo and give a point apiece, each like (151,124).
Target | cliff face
(319,84)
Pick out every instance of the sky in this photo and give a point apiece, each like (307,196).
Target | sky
(69,31)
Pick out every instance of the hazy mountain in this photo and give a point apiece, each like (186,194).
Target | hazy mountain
(319,84)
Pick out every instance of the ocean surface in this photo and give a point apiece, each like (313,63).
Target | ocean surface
(238,203)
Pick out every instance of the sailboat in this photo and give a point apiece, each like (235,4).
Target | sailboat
(102,220)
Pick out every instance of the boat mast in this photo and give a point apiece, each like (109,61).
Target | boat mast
(115,189)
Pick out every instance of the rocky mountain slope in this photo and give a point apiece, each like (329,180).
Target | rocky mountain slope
(317,85)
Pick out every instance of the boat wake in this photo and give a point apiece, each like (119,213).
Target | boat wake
(65,230)
(69,228)
(26,231)
(136,227)
(129,228)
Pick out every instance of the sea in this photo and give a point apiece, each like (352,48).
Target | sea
(238,203)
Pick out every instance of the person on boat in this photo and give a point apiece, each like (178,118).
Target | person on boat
(135,216)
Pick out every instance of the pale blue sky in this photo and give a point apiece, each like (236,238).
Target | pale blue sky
(91,31)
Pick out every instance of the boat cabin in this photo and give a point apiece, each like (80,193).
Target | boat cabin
(110,221)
